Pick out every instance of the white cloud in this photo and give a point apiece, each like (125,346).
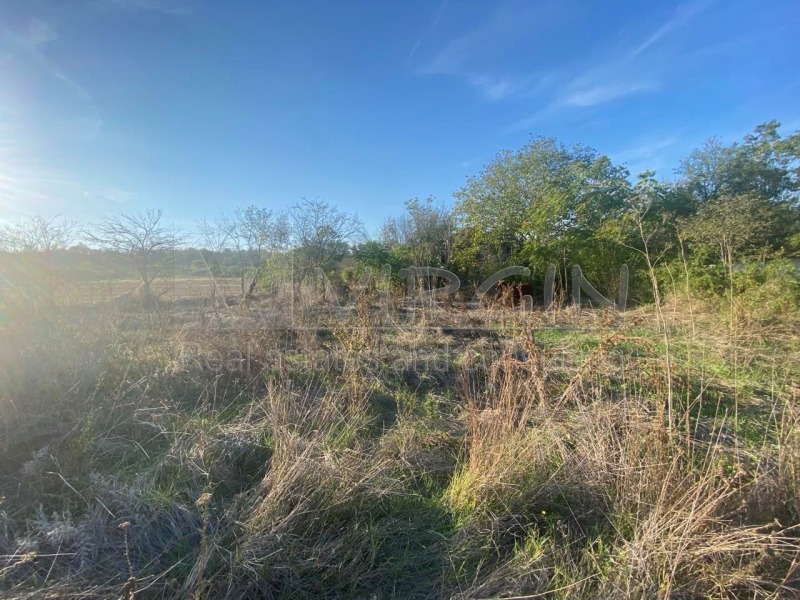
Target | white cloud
(624,72)
(475,56)
(32,42)
(684,13)
(492,88)
(113,195)
(39,34)
(605,92)
(657,154)
(61,109)
(26,189)
(428,32)
(588,90)
(646,149)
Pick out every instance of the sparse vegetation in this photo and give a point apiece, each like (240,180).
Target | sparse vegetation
(335,459)
(403,445)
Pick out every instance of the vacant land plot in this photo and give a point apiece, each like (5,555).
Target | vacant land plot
(409,450)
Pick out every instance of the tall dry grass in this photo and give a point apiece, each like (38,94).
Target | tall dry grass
(529,461)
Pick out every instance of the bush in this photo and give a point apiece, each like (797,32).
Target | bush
(760,291)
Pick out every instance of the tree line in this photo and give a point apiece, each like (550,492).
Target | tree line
(547,203)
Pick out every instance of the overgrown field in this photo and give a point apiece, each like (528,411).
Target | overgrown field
(421,452)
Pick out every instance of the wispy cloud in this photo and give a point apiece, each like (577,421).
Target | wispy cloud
(657,153)
(61,108)
(683,14)
(494,88)
(625,71)
(646,149)
(39,34)
(474,56)
(26,190)
(431,28)
(479,57)
(32,43)
(606,92)
(112,195)
(592,88)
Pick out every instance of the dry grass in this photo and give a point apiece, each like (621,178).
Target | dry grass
(205,451)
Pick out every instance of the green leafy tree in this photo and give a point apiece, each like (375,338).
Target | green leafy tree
(745,196)
(545,203)
(732,227)
(763,164)
(373,254)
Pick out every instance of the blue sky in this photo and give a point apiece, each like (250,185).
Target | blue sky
(197,107)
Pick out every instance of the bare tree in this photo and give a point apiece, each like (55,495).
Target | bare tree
(143,238)
(215,237)
(255,236)
(426,230)
(38,234)
(43,237)
(322,234)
